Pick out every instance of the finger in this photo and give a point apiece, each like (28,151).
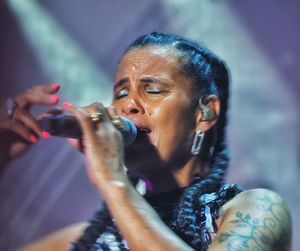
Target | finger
(66,104)
(19,129)
(106,123)
(92,108)
(111,111)
(76,144)
(99,107)
(85,122)
(55,111)
(28,121)
(29,98)
(46,89)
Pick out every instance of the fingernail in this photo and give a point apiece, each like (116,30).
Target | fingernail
(33,139)
(55,85)
(66,104)
(46,135)
(54,98)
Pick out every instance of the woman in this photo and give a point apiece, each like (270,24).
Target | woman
(176,92)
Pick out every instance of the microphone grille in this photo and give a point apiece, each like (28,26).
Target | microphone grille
(128,130)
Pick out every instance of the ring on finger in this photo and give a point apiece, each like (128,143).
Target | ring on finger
(11,106)
(96,117)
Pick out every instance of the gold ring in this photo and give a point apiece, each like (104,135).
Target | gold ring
(96,116)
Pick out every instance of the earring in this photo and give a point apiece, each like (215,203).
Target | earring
(198,139)
(207,113)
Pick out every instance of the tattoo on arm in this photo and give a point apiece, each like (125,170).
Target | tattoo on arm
(270,231)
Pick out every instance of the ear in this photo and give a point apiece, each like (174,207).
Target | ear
(207,113)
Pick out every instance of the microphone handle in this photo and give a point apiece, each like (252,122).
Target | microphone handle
(67,126)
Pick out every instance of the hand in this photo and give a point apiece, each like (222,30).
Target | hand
(102,145)
(21,130)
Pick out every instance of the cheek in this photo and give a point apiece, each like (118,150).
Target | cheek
(172,112)
(163,114)
(174,124)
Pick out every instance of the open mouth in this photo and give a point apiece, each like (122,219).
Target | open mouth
(143,134)
(144,130)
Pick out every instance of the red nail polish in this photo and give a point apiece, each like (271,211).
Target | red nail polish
(46,135)
(55,85)
(33,139)
(54,98)
(66,104)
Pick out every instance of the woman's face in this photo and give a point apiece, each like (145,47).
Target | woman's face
(152,92)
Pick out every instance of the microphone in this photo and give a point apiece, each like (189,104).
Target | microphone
(67,126)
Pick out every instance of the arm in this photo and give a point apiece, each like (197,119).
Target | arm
(254,220)
(58,241)
(136,219)
(139,223)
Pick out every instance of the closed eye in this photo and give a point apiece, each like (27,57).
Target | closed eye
(153,90)
(120,94)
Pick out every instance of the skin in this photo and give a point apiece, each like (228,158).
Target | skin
(20,132)
(171,120)
(152,92)
(256,219)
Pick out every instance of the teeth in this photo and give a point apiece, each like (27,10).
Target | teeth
(146,130)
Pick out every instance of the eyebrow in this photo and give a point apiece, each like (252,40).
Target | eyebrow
(120,83)
(151,80)
(143,80)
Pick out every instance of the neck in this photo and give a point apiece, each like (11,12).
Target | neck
(181,177)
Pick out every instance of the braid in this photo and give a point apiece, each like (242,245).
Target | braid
(101,223)
(190,216)
(189,220)
(200,202)
(96,226)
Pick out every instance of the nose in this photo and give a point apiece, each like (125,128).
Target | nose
(133,106)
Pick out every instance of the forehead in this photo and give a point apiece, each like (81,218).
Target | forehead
(161,64)
(150,60)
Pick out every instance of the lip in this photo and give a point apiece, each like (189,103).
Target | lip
(142,127)
(144,133)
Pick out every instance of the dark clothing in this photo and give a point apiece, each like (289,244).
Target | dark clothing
(165,205)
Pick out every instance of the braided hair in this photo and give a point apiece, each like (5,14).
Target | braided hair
(205,195)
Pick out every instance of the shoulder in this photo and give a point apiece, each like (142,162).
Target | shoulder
(58,240)
(257,218)
(260,200)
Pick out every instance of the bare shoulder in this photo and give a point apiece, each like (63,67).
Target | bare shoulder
(257,219)
(257,200)
(58,240)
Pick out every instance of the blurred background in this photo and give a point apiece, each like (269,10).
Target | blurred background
(78,43)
